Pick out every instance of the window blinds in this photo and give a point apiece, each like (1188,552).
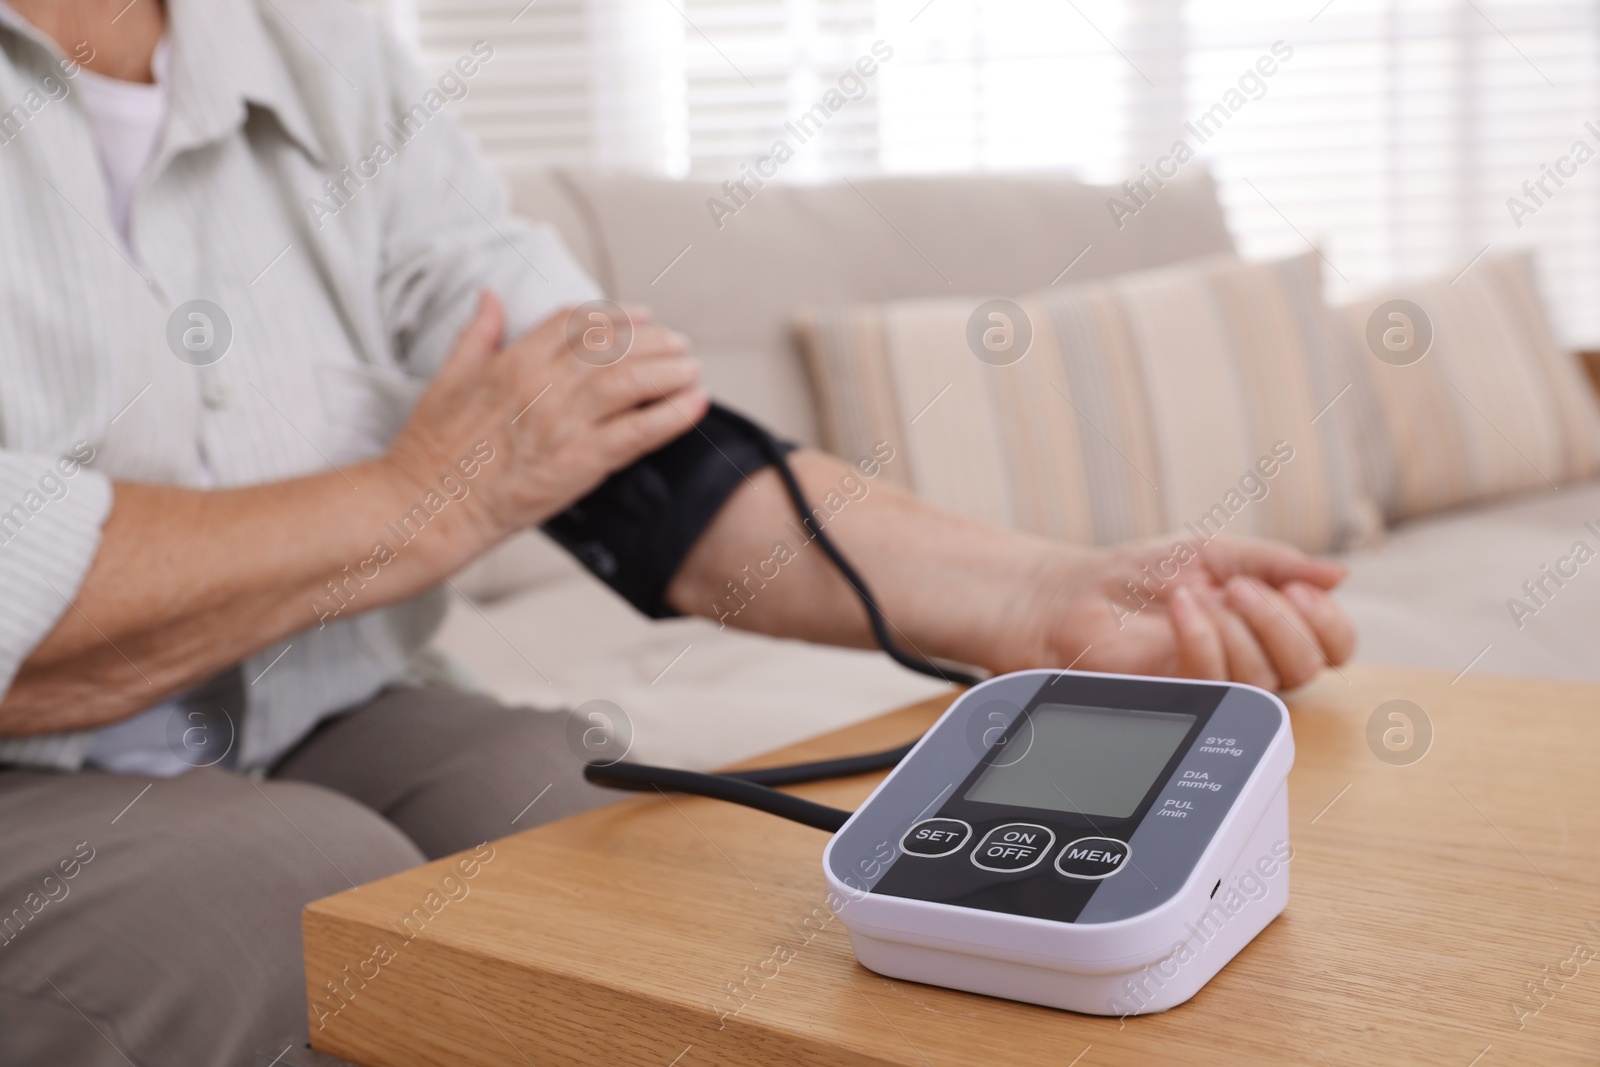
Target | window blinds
(1395,136)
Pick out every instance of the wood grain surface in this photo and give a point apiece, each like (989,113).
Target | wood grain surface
(1445,911)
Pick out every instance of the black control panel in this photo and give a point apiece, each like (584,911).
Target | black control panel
(1093,803)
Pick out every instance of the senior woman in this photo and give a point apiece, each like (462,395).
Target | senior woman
(262,536)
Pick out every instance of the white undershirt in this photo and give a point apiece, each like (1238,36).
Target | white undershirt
(128,119)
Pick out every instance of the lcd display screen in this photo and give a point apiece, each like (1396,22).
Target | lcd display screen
(1089,761)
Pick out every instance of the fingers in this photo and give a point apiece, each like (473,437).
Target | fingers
(1271,561)
(640,431)
(1247,660)
(629,386)
(1200,649)
(655,365)
(1278,628)
(557,339)
(1252,633)
(1332,626)
(478,342)
(655,342)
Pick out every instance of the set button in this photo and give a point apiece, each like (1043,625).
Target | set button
(932,838)
(1013,846)
(1093,858)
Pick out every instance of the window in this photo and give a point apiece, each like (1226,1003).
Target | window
(1395,136)
(1398,132)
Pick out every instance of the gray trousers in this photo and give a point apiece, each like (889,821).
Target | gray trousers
(168,931)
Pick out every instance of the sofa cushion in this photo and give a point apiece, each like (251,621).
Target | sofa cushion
(1490,405)
(1194,398)
(523,561)
(696,695)
(1511,587)
(732,281)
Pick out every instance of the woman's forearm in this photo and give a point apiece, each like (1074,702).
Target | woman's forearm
(955,589)
(938,579)
(186,583)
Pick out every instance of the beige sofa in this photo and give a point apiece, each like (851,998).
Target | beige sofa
(532,627)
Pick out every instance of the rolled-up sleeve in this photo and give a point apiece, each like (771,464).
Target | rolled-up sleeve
(449,234)
(49,533)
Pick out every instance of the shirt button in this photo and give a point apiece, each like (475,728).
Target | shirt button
(216,395)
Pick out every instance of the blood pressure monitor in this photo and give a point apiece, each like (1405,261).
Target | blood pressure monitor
(1100,843)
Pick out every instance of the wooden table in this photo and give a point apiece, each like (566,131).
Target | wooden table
(1428,901)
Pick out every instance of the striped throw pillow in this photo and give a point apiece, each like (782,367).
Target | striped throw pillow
(1192,399)
(1466,394)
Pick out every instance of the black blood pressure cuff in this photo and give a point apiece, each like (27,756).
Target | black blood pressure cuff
(635,531)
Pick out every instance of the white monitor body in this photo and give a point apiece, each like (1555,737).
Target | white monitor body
(1098,843)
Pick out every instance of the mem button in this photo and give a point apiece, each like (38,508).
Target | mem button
(1093,858)
(1014,846)
(935,837)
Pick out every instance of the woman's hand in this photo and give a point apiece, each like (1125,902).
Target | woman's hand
(1231,609)
(557,425)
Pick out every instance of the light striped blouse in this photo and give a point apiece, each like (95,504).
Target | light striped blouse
(320,197)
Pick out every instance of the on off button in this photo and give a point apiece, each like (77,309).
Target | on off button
(1013,846)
